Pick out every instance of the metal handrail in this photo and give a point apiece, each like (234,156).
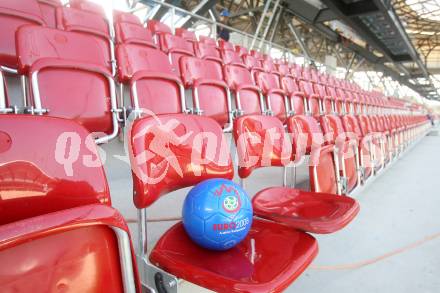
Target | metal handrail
(211,22)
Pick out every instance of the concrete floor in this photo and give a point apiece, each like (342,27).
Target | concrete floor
(392,246)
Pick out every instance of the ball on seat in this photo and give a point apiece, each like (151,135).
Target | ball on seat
(217,214)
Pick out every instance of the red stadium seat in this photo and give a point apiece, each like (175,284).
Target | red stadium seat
(241,50)
(210,93)
(225,45)
(347,150)
(257,54)
(248,98)
(175,252)
(365,158)
(205,50)
(129,30)
(313,98)
(231,57)
(208,41)
(308,139)
(376,141)
(56,212)
(150,75)
(276,99)
(14,14)
(297,71)
(176,47)
(88,6)
(252,64)
(297,98)
(77,20)
(87,22)
(283,69)
(312,212)
(157,27)
(71,78)
(48,11)
(189,36)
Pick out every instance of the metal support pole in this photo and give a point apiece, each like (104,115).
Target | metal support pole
(349,65)
(260,23)
(355,68)
(2,92)
(299,40)
(275,27)
(214,25)
(142,233)
(183,20)
(269,24)
(173,16)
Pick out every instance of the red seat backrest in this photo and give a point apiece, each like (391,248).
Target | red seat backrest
(185,149)
(176,47)
(275,96)
(261,142)
(61,170)
(172,43)
(14,14)
(306,133)
(208,41)
(269,66)
(156,27)
(73,66)
(189,36)
(55,211)
(35,43)
(364,124)
(251,62)
(129,30)
(153,76)
(351,125)
(225,45)
(283,69)
(205,77)
(257,54)
(82,21)
(267,81)
(312,97)
(231,57)
(236,76)
(207,51)
(88,6)
(333,129)
(308,139)
(296,70)
(194,68)
(296,97)
(239,80)
(48,11)
(241,50)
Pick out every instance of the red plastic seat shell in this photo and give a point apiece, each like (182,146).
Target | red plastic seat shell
(280,255)
(35,43)
(179,132)
(14,14)
(74,249)
(250,134)
(32,183)
(311,212)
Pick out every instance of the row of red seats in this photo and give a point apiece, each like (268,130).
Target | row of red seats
(82,61)
(68,70)
(284,94)
(75,208)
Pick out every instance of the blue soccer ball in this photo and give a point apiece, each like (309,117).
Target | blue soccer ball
(217,214)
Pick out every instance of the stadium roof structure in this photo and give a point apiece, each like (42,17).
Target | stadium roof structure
(400,38)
